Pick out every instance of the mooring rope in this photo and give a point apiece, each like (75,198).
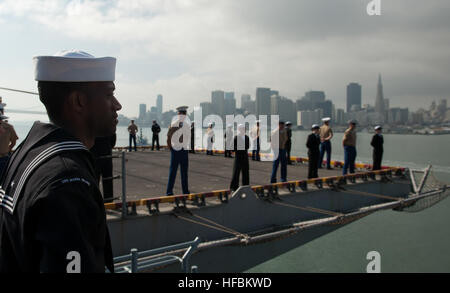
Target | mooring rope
(217,226)
(371,194)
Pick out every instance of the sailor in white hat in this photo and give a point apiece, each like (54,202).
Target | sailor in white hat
(229,136)
(60,194)
(377,144)
(182,110)
(178,141)
(313,144)
(156,129)
(210,139)
(241,144)
(326,134)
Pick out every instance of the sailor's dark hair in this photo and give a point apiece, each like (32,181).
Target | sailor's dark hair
(54,94)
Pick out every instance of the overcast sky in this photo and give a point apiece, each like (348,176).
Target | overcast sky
(184,49)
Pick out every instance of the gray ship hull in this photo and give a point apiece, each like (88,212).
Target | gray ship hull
(250,229)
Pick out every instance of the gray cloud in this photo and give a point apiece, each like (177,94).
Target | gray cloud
(185,49)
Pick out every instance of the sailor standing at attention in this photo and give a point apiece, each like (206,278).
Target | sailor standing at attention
(288,142)
(156,129)
(178,139)
(278,144)
(377,144)
(326,134)
(313,144)
(229,138)
(349,144)
(132,129)
(241,145)
(52,216)
(210,139)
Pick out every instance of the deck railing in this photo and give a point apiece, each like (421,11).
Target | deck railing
(139,261)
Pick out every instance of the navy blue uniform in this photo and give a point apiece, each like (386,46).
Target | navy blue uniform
(241,146)
(313,144)
(50,206)
(377,144)
(155,137)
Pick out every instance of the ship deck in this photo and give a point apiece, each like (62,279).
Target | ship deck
(147,173)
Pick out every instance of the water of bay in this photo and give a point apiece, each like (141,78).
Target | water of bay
(407,242)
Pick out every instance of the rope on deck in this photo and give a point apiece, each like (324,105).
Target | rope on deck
(309,209)
(214,226)
(371,194)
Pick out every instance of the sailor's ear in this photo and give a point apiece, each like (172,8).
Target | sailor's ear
(78,101)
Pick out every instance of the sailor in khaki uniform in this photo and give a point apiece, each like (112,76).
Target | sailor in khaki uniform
(52,216)
(349,144)
(326,134)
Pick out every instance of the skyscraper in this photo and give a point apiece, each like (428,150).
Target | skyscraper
(379,100)
(230,103)
(245,98)
(159,104)
(249,106)
(263,101)
(353,96)
(218,102)
(206,109)
(142,111)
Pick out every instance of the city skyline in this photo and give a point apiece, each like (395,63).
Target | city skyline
(311,108)
(185,49)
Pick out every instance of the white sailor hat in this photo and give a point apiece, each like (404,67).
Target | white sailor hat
(378,127)
(326,119)
(74,66)
(241,126)
(210,124)
(3,117)
(182,109)
(315,126)
(288,123)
